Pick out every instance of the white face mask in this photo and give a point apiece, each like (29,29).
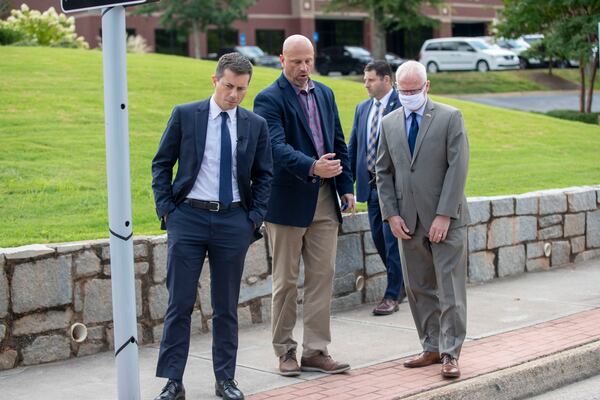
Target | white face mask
(414,101)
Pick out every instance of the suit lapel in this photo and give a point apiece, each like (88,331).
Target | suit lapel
(200,125)
(425,124)
(401,123)
(242,132)
(367,124)
(327,145)
(292,98)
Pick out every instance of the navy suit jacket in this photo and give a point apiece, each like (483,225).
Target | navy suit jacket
(294,193)
(183,143)
(357,148)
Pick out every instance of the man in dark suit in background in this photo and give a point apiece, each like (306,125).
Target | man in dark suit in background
(362,150)
(215,205)
(311,169)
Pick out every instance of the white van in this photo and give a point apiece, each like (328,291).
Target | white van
(465,54)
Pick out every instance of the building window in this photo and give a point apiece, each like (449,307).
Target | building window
(407,43)
(339,32)
(217,38)
(270,40)
(469,29)
(170,42)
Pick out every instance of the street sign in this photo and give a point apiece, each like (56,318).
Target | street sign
(242,39)
(82,5)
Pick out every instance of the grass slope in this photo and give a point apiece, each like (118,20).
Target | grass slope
(52,163)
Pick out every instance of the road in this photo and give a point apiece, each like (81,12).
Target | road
(533,101)
(588,389)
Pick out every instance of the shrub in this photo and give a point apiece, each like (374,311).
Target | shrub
(137,44)
(588,118)
(44,29)
(8,35)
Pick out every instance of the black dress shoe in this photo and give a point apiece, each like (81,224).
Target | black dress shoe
(173,390)
(228,390)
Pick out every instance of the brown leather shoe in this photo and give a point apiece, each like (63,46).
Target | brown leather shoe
(323,363)
(422,360)
(450,367)
(386,307)
(288,364)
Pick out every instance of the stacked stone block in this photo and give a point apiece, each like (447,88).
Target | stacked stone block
(44,289)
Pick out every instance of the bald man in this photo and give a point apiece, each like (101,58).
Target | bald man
(311,175)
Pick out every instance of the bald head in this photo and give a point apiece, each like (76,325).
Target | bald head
(295,43)
(413,70)
(297,59)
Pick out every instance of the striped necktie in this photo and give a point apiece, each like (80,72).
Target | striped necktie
(372,142)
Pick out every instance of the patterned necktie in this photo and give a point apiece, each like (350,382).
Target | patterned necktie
(372,142)
(412,133)
(225,189)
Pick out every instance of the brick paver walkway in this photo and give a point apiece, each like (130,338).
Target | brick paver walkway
(391,380)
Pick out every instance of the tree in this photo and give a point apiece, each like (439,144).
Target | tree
(387,14)
(570,29)
(195,16)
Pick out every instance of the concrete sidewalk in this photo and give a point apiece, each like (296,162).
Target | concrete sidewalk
(510,322)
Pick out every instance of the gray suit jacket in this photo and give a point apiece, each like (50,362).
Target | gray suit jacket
(432,182)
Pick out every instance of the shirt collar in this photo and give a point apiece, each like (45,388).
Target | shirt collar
(419,112)
(311,86)
(384,100)
(215,111)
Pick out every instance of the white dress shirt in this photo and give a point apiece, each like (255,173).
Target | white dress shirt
(206,186)
(384,102)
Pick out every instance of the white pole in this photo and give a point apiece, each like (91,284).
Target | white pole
(119,202)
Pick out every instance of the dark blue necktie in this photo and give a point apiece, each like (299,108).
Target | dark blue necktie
(225,190)
(412,133)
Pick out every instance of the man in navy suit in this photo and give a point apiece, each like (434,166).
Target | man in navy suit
(310,170)
(215,205)
(362,149)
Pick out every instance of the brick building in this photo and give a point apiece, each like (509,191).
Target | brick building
(270,21)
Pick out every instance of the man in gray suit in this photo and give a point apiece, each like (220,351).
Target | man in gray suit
(421,168)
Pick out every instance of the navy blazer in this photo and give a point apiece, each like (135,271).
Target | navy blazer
(183,143)
(294,193)
(357,148)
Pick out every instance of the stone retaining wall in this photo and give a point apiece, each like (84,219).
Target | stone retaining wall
(44,289)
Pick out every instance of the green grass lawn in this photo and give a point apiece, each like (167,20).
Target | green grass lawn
(52,158)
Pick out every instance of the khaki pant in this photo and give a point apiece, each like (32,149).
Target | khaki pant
(317,244)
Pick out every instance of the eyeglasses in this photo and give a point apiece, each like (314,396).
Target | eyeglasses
(412,91)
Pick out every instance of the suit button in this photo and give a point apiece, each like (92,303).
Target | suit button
(314,180)
(412,170)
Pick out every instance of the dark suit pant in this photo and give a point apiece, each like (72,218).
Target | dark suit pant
(387,247)
(435,276)
(192,234)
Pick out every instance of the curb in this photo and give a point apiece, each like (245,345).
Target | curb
(524,380)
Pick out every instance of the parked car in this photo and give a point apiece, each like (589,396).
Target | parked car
(343,59)
(254,54)
(394,60)
(518,46)
(465,53)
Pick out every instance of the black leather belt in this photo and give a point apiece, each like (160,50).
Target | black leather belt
(323,181)
(211,205)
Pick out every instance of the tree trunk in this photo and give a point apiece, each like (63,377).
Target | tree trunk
(550,62)
(590,96)
(582,84)
(196,35)
(378,45)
